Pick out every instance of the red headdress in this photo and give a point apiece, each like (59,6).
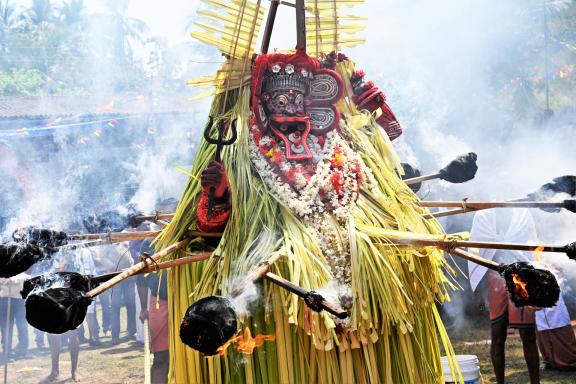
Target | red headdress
(321,87)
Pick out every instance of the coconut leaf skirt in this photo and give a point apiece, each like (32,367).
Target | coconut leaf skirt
(394,333)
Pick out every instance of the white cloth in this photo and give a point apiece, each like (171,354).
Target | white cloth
(551,318)
(139,325)
(11,287)
(505,225)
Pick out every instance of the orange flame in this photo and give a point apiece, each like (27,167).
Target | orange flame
(519,286)
(245,343)
(537,253)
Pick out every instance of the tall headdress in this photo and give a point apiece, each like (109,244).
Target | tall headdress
(233,27)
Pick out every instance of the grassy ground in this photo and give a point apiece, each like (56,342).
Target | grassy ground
(477,342)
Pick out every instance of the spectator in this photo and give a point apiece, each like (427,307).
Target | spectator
(104,265)
(55,342)
(10,301)
(123,294)
(508,225)
(80,261)
(555,337)
(153,294)
(134,247)
(35,270)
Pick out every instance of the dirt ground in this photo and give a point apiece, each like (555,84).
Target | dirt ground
(477,342)
(124,363)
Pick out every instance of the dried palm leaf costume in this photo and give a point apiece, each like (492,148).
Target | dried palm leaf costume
(313,178)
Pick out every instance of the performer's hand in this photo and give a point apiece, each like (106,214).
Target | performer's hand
(214,176)
(143,315)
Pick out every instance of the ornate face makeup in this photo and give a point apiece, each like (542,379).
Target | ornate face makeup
(293,97)
(288,120)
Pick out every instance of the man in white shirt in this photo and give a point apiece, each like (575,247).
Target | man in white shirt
(10,297)
(508,225)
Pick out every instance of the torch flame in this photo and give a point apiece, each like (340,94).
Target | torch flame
(519,286)
(537,253)
(245,343)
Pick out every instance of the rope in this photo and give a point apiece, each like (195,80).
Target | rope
(450,243)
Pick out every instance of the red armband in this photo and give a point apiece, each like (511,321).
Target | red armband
(368,96)
(217,221)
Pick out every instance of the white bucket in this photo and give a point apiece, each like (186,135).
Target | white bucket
(469,369)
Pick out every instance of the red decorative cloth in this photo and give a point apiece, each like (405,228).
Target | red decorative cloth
(371,100)
(159,325)
(216,222)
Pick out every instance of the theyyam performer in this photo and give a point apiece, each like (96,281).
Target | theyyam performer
(299,175)
(295,227)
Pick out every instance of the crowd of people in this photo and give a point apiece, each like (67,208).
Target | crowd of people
(104,315)
(144,298)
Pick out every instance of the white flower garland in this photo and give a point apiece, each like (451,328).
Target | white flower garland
(303,197)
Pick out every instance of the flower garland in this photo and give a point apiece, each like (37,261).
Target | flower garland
(321,191)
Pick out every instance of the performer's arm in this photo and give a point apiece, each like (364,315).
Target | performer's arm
(368,96)
(214,176)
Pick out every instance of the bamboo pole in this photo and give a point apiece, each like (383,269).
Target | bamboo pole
(258,273)
(458,211)
(465,204)
(137,268)
(419,179)
(490,264)
(451,244)
(449,212)
(121,236)
(157,267)
(326,306)
(156,216)
(300,25)
(269,25)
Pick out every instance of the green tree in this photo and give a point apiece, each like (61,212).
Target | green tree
(40,12)
(9,22)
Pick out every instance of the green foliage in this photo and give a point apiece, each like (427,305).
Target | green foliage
(543,43)
(53,48)
(21,82)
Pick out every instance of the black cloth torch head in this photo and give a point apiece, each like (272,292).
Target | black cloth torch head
(111,221)
(410,172)
(571,250)
(208,324)
(564,185)
(74,280)
(17,258)
(461,169)
(41,237)
(57,310)
(531,286)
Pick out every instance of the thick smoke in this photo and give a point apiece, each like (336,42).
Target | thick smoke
(449,69)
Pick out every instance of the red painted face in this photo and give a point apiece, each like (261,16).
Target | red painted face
(288,120)
(292,97)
